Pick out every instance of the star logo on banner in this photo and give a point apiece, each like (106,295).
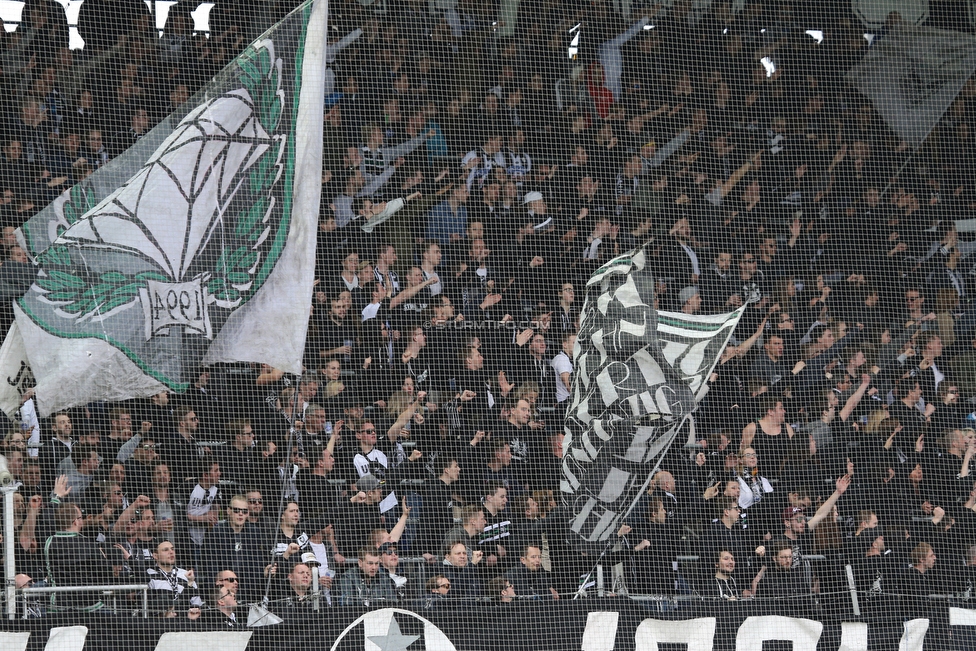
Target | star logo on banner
(394,640)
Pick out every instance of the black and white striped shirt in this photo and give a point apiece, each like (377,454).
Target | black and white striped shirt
(172,589)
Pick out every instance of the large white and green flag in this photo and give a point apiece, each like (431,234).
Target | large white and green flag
(204,251)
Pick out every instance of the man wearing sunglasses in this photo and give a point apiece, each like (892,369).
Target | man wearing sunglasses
(233,548)
(390,560)
(227,580)
(438,586)
(224,602)
(255,503)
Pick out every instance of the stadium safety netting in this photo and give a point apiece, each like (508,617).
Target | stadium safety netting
(450,325)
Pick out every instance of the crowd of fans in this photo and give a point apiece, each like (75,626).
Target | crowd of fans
(474,176)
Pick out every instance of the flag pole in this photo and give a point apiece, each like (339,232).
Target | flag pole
(281,500)
(633,504)
(9,487)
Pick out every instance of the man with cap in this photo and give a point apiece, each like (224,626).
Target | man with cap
(690,300)
(534,241)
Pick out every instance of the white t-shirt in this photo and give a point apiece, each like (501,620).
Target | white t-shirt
(562,364)
(321,552)
(199,504)
(364,463)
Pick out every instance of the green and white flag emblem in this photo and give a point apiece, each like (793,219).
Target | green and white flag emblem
(205,254)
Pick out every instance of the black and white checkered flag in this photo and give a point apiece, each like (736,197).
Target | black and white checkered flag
(637,375)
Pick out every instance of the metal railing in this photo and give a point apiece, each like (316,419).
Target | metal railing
(106,589)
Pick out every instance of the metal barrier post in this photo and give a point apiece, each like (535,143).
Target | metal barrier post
(315,588)
(853,588)
(9,537)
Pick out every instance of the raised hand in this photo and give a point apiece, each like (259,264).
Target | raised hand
(61,488)
(843,484)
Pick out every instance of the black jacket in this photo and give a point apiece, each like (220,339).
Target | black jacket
(243,553)
(75,560)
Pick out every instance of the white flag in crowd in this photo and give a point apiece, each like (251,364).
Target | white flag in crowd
(205,254)
(912,75)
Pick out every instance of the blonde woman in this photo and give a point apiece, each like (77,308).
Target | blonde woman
(874,421)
